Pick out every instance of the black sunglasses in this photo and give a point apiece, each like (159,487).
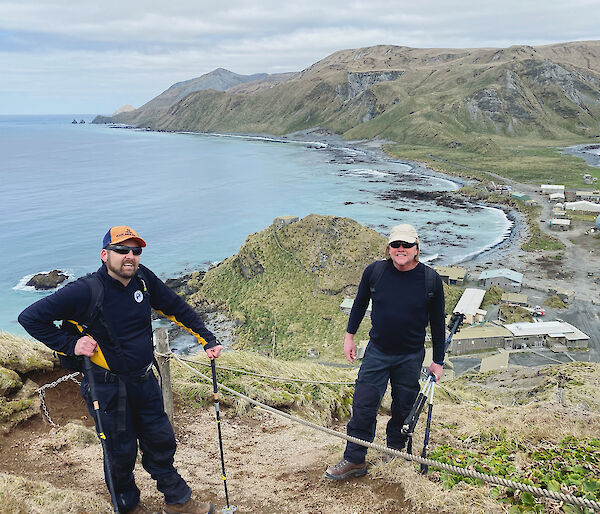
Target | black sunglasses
(403,244)
(124,250)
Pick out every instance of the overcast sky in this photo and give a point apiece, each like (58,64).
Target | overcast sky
(80,56)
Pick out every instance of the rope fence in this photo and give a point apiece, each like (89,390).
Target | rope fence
(536,491)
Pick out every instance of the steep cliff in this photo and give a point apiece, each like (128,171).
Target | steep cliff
(440,96)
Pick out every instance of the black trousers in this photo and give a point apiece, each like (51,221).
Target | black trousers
(402,371)
(141,419)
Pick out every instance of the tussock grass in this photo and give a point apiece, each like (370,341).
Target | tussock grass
(320,403)
(555,302)
(24,354)
(72,434)
(513,313)
(285,286)
(21,495)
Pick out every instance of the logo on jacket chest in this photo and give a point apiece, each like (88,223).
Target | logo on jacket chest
(138,296)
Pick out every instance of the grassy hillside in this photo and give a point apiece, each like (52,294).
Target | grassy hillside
(285,285)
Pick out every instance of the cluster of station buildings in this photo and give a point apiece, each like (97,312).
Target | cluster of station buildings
(478,334)
(564,202)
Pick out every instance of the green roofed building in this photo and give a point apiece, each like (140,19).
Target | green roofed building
(522,197)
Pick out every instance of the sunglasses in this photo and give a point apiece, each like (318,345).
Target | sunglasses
(403,244)
(124,250)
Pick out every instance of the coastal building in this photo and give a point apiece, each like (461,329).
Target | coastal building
(487,336)
(558,210)
(490,336)
(559,224)
(545,333)
(507,279)
(451,274)
(522,197)
(469,304)
(548,189)
(514,299)
(582,206)
(590,196)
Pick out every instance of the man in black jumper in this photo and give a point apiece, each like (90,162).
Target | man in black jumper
(118,341)
(401,310)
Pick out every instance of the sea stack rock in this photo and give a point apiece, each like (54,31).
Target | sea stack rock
(47,280)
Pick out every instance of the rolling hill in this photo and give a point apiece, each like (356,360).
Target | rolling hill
(447,97)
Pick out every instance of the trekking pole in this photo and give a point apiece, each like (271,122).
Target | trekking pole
(229,508)
(427,390)
(413,417)
(454,324)
(87,364)
(425,450)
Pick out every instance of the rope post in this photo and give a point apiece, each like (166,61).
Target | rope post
(161,344)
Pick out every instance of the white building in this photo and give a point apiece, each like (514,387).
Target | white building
(469,304)
(546,333)
(552,188)
(560,224)
(582,205)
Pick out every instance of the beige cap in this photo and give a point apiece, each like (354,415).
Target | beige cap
(404,233)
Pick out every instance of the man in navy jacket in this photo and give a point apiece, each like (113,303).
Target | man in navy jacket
(406,296)
(119,342)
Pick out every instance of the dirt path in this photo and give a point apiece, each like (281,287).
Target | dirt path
(272,465)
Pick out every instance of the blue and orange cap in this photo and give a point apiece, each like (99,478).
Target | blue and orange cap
(117,235)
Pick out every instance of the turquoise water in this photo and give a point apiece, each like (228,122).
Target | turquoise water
(194,198)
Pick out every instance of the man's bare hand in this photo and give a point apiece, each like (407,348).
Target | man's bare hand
(349,347)
(437,370)
(86,346)
(214,352)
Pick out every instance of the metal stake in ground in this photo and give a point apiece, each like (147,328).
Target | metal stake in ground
(107,465)
(229,508)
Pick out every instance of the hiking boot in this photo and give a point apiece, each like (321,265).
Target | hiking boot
(344,469)
(189,507)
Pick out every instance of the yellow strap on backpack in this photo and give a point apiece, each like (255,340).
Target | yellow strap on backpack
(97,357)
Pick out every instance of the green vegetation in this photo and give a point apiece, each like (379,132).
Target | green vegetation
(285,285)
(528,161)
(572,463)
(452,294)
(320,402)
(492,296)
(555,302)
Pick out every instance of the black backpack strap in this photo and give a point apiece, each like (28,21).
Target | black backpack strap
(376,274)
(96,298)
(430,282)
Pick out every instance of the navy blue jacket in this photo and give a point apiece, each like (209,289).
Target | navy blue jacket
(127,312)
(401,310)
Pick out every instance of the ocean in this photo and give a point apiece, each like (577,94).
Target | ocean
(196,197)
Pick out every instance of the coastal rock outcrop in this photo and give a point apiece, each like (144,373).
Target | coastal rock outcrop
(49,280)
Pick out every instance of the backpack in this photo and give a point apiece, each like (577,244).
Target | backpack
(430,279)
(93,311)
